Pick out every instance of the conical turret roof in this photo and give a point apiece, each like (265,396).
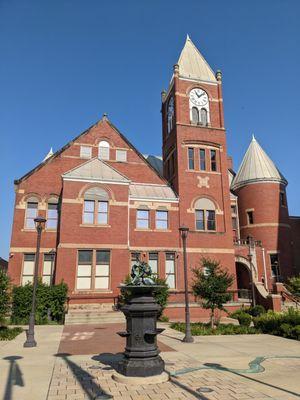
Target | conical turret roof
(256,167)
(193,65)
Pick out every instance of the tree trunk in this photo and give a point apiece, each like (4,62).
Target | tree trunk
(212,319)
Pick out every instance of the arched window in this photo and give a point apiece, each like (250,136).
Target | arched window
(103,152)
(170,113)
(95,209)
(205,214)
(52,213)
(31,213)
(203,116)
(195,115)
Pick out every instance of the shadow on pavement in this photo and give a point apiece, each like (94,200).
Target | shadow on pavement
(15,376)
(86,380)
(221,368)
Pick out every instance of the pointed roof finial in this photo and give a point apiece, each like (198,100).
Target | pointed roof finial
(253,138)
(188,37)
(50,153)
(104,117)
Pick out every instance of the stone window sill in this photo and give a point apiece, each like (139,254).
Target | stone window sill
(94,226)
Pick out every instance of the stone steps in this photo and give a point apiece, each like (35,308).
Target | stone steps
(93,314)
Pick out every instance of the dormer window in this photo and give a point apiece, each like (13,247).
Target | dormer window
(199,107)
(103,152)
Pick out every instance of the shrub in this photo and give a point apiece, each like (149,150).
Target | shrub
(199,329)
(4,296)
(160,294)
(9,333)
(257,310)
(50,303)
(285,324)
(244,319)
(164,318)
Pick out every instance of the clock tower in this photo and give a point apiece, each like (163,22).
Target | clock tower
(195,156)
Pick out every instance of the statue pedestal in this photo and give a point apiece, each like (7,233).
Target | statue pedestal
(141,356)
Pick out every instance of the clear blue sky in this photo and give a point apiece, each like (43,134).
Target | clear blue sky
(65,62)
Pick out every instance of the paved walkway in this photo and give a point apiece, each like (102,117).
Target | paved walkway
(214,367)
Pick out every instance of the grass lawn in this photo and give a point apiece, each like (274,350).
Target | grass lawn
(7,333)
(201,329)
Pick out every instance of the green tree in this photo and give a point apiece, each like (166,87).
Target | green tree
(211,283)
(294,285)
(4,296)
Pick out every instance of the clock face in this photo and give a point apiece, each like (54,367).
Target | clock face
(198,97)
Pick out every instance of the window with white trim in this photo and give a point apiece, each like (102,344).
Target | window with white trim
(31,212)
(52,214)
(28,268)
(85,152)
(153,262)
(121,155)
(95,208)
(205,214)
(84,270)
(161,219)
(102,269)
(48,267)
(142,219)
(170,270)
(103,152)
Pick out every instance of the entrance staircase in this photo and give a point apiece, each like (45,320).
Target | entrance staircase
(93,314)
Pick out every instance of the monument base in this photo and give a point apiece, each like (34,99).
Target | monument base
(141,367)
(139,380)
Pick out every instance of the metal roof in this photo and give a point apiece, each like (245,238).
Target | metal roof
(152,192)
(156,162)
(192,64)
(95,170)
(256,167)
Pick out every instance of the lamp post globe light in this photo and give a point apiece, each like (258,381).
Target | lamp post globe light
(30,340)
(188,338)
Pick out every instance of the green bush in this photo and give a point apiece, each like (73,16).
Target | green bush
(4,297)
(294,285)
(161,294)
(50,303)
(257,310)
(244,319)
(9,333)
(200,329)
(286,324)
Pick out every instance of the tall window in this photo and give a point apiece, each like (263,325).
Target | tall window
(191,158)
(142,219)
(170,114)
(234,217)
(203,114)
(95,209)
(102,269)
(275,270)
(153,262)
(170,270)
(195,115)
(103,152)
(250,217)
(161,219)
(205,214)
(48,267)
(52,214)
(28,268)
(213,160)
(84,269)
(202,159)
(282,199)
(31,213)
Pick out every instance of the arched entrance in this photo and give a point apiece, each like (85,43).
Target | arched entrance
(243,277)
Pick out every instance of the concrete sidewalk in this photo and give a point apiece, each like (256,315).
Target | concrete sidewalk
(213,368)
(25,373)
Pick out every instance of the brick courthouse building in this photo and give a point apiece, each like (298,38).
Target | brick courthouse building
(104,202)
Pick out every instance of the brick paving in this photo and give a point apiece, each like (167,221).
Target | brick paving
(95,339)
(77,379)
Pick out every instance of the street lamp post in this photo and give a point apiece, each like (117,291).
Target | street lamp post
(250,243)
(30,340)
(188,338)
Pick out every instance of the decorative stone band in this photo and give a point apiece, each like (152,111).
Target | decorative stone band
(271,224)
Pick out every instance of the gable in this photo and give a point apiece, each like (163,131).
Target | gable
(137,168)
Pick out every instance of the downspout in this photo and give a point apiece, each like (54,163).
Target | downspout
(265,269)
